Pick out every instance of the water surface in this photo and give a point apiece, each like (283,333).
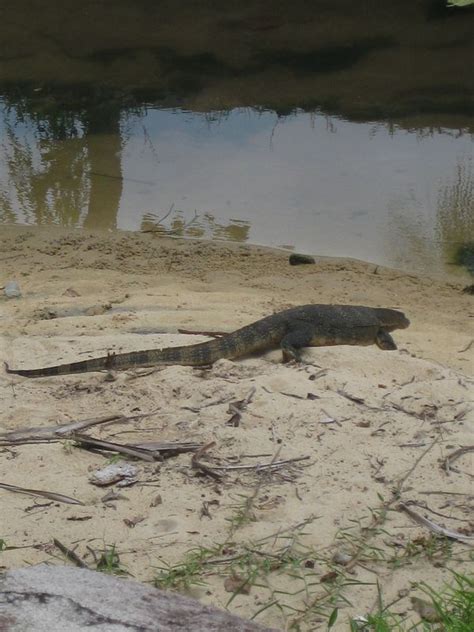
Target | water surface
(342,131)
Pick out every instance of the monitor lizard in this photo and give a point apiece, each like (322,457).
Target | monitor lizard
(291,329)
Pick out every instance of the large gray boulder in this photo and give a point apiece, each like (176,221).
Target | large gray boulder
(65,599)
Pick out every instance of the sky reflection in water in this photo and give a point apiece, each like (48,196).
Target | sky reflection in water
(319,185)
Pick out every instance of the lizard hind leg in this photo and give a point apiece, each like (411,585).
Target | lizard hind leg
(384,341)
(292,343)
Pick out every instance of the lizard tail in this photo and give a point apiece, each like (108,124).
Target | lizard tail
(244,341)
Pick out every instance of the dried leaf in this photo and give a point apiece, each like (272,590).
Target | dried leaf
(158,500)
(425,609)
(132,522)
(237,584)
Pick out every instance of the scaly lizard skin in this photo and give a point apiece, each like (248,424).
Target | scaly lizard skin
(291,329)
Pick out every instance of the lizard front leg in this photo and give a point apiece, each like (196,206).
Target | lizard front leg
(384,341)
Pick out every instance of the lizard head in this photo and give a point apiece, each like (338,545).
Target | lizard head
(391,319)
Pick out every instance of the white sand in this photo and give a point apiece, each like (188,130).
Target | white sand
(410,398)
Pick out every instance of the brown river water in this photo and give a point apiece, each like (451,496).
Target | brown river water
(335,131)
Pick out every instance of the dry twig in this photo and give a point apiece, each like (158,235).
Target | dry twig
(401,482)
(37,492)
(196,464)
(467,347)
(84,441)
(238,407)
(58,433)
(70,554)
(261,466)
(159,229)
(436,528)
(449,460)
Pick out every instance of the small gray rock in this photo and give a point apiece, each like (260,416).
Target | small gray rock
(12,290)
(342,558)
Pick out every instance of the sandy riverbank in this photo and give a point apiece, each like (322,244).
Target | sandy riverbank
(360,415)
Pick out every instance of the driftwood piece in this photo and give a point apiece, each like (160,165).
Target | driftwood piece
(89,443)
(45,598)
(57,432)
(147,451)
